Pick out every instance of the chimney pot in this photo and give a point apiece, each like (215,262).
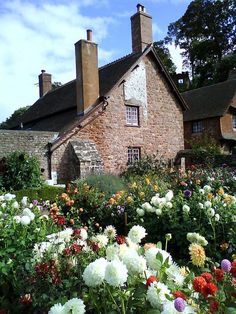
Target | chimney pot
(45,83)
(89,34)
(140,8)
(43,71)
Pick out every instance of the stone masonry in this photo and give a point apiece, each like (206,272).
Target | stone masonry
(32,142)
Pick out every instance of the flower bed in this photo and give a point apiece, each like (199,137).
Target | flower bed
(49,267)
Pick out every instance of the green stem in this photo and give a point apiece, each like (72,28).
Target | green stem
(113,300)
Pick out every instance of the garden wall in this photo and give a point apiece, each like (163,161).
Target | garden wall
(32,142)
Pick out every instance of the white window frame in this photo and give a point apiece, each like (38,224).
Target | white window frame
(132,115)
(133,154)
(197,126)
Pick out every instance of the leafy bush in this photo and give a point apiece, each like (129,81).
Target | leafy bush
(146,165)
(21,172)
(205,149)
(106,183)
(46,192)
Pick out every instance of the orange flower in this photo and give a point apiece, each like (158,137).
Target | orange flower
(198,283)
(209,289)
(219,274)
(112,201)
(210,196)
(179,294)
(148,246)
(150,280)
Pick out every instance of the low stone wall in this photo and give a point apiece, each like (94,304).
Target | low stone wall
(32,142)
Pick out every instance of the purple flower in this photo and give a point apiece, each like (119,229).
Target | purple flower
(35,202)
(179,304)
(187,193)
(226,265)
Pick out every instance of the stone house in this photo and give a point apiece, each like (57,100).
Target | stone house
(212,111)
(106,117)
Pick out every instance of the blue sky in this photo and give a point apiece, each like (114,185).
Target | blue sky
(41,34)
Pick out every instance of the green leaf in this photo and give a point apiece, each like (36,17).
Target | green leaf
(153,311)
(159,245)
(230,310)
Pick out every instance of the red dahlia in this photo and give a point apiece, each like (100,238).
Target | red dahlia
(233,269)
(179,294)
(209,289)
(219,274)
(214,305)
(207,276)
(120,239)
(198,283)
(150,280)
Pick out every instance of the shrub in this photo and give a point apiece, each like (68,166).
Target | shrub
(106,183)
(21,172)
(148,164)
(46,192)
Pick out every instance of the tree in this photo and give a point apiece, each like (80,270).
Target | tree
(206,33)
(164,54)
(10,122)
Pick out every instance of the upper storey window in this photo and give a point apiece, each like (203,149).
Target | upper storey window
(132,115)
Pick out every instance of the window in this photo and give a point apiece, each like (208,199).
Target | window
(132,115)
(197,127)
(180,81)
(133,154)
(234,121)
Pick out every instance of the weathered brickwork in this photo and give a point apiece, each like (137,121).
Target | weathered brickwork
(33,142)
(160,130)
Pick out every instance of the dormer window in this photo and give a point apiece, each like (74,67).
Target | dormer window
(234,121)
(132,115)
(197,127)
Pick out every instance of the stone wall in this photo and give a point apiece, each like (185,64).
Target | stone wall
(160,128)
(33,142)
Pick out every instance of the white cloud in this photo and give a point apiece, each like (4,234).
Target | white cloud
(41,36)
(176,56)
(157,30)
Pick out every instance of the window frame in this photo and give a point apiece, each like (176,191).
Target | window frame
(197,127)
(131,122)
(130,154)
(234,121)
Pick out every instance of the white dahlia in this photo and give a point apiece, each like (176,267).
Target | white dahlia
(157,294)
(116,273)
(150,255)
(94,273)
(136,234)
(136,264)
(74,306)
(57,309)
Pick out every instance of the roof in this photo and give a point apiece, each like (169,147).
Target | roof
(209,101)
(57,109)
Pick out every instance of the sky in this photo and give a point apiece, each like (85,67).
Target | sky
(40,34)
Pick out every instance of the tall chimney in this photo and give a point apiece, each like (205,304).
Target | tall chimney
(141,29)
(87,80)
(45,83)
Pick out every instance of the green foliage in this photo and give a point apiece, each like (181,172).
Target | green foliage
(164,54)
(106,183)
(46,192)
(15,117)
(20,172)
(205,149)
(206,33)
(147,164)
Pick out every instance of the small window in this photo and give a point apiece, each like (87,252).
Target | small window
(234,121)
(197,127)
(132,115)
(180,81)
(133,154)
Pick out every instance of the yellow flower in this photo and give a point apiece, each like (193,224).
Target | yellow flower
(141,194)
(198,182)
(197,254)
(210,196)
(155,188)
(112,201)
(130,199)
(148,181)
(221,191)
(134,185)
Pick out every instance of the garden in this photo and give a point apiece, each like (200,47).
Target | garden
(156,240)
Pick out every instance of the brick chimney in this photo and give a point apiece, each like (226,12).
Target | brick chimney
(141,29)
(87,79)
(45,83)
